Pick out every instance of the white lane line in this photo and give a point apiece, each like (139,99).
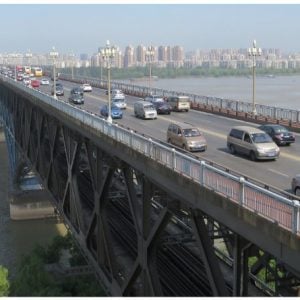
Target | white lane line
(279,173)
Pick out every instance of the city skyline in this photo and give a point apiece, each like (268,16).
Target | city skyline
(83,28)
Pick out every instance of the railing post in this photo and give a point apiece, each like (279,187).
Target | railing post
(242,191)
(150,147)
(202,178)
(173,159)
(295,217)
(130,140)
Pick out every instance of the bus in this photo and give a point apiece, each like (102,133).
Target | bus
(37,71)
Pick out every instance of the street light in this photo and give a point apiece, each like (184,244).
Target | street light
(54,55)
(72,64)
(150,57)
(28,55)
(254,51)
(15,56)
(108,53)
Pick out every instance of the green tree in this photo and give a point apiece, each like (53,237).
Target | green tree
(4,283)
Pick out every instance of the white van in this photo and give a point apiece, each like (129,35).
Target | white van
(145,110)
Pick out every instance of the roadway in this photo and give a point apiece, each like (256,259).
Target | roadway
(277,173)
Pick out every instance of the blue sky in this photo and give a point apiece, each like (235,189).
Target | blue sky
(82,28)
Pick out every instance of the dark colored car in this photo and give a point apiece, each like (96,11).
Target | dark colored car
(77,91)
(76,98)
(59,89)
(116,112)
(162,107)
(279,134)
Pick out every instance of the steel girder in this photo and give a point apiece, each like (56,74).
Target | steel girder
(140,240)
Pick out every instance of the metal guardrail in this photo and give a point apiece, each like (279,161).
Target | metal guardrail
(270,205)
(222,103)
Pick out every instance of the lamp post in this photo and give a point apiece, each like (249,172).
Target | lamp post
(254,51)
(108,53)
(28,55)
(150,57)
(72,64)
(15,56)
(54,55)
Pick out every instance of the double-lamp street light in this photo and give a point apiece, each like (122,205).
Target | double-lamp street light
(150,52)
(254,51)
(54,55)
(108,53)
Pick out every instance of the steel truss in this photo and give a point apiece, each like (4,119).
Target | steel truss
(140,239)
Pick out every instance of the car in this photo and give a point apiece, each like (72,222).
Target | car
(121,103)
(154,98)
(296,185)
(59,89)
(27,81)
(253,142)
(77,90)
(116,112)
(87,87)
(162,107)
(144,110)
(35,83)
(117,94)
(44,81)
(279,134)
(76,98)
(186,136)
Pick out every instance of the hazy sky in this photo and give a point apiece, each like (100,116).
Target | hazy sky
(82,28)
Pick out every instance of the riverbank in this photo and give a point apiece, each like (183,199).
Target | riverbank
(18,238)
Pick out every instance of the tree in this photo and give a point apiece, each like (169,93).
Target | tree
(4,283)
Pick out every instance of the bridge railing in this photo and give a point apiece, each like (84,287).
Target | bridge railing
(274,112)
(269,204)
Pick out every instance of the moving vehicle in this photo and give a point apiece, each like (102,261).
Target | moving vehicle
(37,71)
(87,87)
(59,89)
(145,110)
(76,98)
(179,103)
(77,90)
(121,103)
(116,112)
(252,142)
(117,94)
(44,81)
(154,98)
(296,185)
(35,83)
(186,136)
(279,134)
(162,107)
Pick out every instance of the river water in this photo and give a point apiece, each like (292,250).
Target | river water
(19,237)
(279,91)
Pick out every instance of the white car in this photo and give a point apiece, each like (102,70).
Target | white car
(117,94)
(120,103)
(87,87)
(44,81)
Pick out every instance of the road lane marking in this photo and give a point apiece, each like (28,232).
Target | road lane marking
(278,173)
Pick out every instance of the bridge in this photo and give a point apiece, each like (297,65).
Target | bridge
(151,220)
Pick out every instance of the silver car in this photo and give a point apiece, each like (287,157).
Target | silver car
(296,185)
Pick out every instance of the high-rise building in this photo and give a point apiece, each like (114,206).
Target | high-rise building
(141,55)
(129,59)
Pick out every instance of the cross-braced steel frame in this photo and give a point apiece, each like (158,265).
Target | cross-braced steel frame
(141,238)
